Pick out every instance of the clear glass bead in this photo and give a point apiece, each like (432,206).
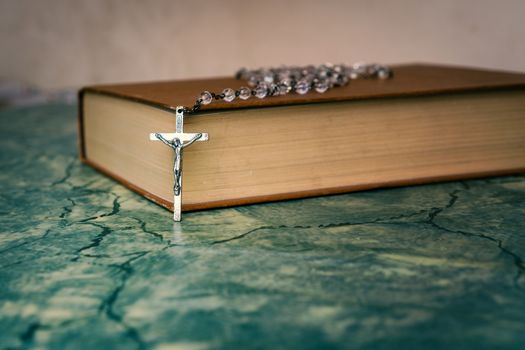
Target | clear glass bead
(253,81)
(302,87)
(229,94)
(273,89)
(268,77)
(309,78)
(322,72)
(383,73)
(242,74)
(333,78)
(244,93)
(295,74)
(205,97)
(283,89)
(371,70)
(284,73)
(287,83)
(360,69)
(339,68)
(342,80)
(310,69)
(321,86)
(261,91)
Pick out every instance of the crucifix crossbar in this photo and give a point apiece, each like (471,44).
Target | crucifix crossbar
(178,141)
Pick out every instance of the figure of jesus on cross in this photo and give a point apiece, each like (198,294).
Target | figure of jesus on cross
(178,141)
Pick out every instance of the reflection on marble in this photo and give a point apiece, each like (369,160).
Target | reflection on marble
(87,264)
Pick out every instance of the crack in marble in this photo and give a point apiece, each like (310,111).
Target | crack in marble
(517,260)
(435,211)
(243,234)
(68,172)
(342,224)
(96,255)
(95,242)
(431,216)
(115,210)
(68,209)
(85,185)
(85,191)
(384,221)
(142,224)
(107,305)
(29,334)
(46,233)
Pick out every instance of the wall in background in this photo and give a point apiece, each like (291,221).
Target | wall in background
(62,43)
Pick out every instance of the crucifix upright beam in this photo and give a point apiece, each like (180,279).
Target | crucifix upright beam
(178,141)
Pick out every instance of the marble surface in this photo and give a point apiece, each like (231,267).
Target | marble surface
(87,264)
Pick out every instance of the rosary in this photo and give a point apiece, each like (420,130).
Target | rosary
(263,83)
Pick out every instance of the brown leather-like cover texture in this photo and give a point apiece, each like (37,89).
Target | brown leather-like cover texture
(408,80)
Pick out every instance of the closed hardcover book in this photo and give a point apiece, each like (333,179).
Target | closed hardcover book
(428,123)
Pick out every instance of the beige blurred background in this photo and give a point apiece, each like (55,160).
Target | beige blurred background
(62,43)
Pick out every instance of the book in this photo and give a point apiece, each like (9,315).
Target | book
(428,123)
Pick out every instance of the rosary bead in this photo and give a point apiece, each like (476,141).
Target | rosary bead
(273,90)
(253,81)
(360,69)
(283,73)
(342,80)
(229,94)
(333,79)
(302,87)
(282,89)
(323,72)
(244,93)
(308,70)
(268,77)
(205,97)
(371,70)
(279,81)
(241,74)
(286,85)
(261,91)
(321,86)
(296,74)
(339,68)
(383,73)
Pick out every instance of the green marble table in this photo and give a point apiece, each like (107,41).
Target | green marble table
(87,264)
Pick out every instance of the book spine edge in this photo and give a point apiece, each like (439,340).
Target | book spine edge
(80,125)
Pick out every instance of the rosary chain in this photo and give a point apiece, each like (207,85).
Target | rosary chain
(266,82)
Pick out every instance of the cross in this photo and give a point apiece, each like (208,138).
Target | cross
(178,141)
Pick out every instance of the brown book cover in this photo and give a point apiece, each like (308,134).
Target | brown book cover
(409,81)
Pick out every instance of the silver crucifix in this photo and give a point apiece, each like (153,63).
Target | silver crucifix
(178,141)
